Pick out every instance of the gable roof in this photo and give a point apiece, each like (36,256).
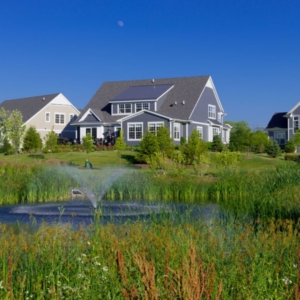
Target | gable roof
(292,110)
(278,120)
(28,106)
(186,90)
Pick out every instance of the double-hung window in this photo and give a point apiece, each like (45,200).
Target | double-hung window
(59,119)
(124,108)
(141,106)
(211,111)
(176,133)
(47,117)
(216,131)
(135,131)
(153,126)
(200,131)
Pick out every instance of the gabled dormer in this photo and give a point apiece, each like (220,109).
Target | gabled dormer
(138,98)
(89,117)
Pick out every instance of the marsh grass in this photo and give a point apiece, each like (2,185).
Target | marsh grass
(159,259)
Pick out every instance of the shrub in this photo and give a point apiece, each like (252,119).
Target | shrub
(274,150)
(217,145)
(292,157)
(228,159)
(290,147)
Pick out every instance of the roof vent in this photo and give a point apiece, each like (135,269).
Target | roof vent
(175,103)
(153,80)
(183,102)
(44,99)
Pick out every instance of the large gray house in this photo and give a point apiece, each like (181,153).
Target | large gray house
(283,125)
(179,104)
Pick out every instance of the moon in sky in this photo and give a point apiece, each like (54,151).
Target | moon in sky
(120,23)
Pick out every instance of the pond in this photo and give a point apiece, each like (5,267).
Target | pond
(81,212)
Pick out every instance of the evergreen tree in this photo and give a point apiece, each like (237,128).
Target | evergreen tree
(290,147)
(50,141)
(148,146)
(120,144)
(165,142)
(194,148)
(6,147)
(274,149)
(217,145)
(239,136)
(87,143)
(32,140)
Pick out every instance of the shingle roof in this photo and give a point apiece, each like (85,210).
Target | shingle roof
(278,121)
(188,89)
(28,106)
(143,92)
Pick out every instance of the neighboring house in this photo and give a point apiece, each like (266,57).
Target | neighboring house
(283,126)
(47,112)
(179,104)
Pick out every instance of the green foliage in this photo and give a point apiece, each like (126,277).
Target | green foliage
(14,128)
(3,117)
(32,140)
(227,159)
(194,148)
(292,157)
(182,140)
(120,144)
(6,147)
(165,142)
(290,147)
(274,150)
(50,141)
(148,146)
(240,136)
(259,141)
(158,163)
(296,138)
(217,144)
(87,143)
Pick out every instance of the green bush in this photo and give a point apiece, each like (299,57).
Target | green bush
(274,150)
(290,147)
(292,157)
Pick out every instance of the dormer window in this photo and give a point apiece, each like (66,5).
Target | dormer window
(211,111)
(124,108)
(142,106)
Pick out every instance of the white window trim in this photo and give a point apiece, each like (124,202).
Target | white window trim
(211,115)
(156,127)
(298,121)
(215,131)
(200,131)
(134,123)
(176,125)
(60,114)
(47,113)
(125,113)
(142,103)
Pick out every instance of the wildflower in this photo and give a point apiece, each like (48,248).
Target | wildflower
(84,255)
(295,266)
(286,280)
(97,263)
(1,286)
(89,243)
(105,269)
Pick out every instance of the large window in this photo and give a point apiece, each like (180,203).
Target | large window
(200,131)
(296,123)
(280,137)
(124,108)
(216,131)
(176,133)
(141,106)
(135,131)
(59,119)
(153,126)
(211,111)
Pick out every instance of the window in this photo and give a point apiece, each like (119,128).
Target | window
(135,131)
(71,117)
(94,133)
(59,119)
(153,126)
(296,123)
(141,106)
(87,130)
(280,137)
(200,131)
(211,111)
(220,117)
(216,131)
(47,117)
(176,133)
(124,108)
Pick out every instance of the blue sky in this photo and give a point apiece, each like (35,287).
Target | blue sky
(250,48)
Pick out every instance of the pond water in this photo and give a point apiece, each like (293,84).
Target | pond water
(81,212)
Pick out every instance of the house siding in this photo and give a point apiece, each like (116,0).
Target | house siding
(200,113)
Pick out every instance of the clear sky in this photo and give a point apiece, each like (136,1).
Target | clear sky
(251,48)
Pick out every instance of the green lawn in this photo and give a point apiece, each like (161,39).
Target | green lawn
(106,158)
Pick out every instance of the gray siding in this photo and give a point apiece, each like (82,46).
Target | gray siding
(200,113)
(205,130)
